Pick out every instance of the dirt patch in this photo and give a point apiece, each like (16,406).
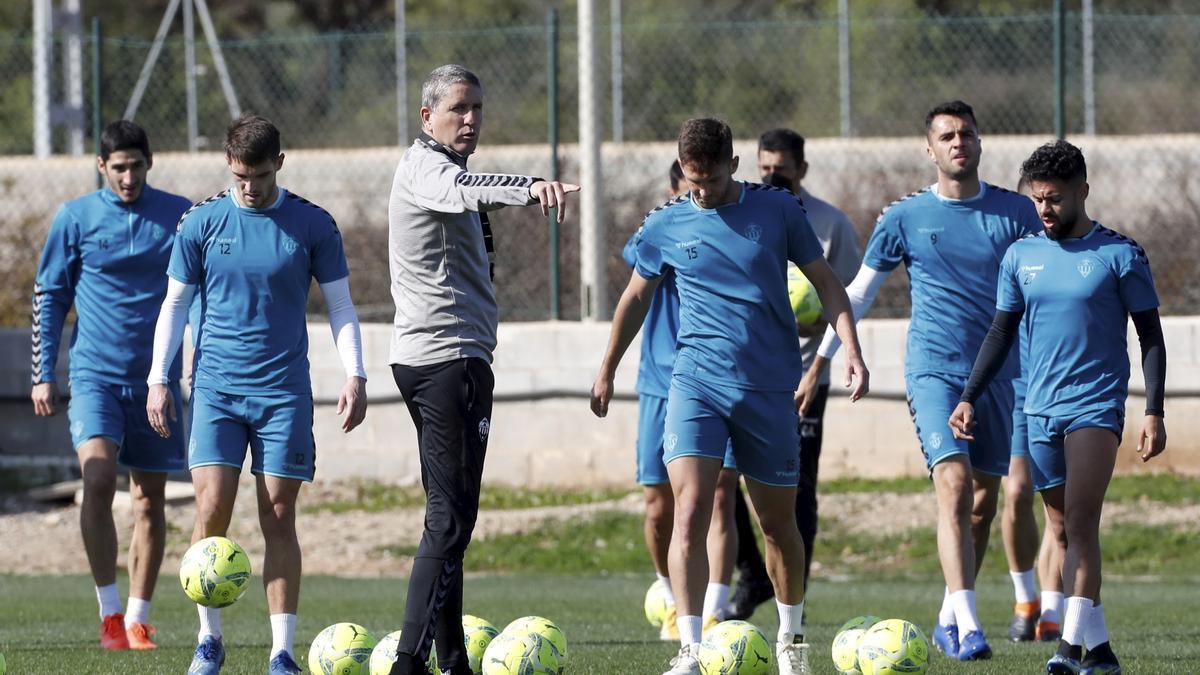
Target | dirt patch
(45,540)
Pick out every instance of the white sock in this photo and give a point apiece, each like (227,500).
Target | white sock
(689,629)
(1096,632)
(110,600)
(946,613)
(716,598)
(283,633)
(791,621)
(1052,606)
(964,611)
(666,582)
(138,611)
(1075,623)
(210,622)
(1024,585)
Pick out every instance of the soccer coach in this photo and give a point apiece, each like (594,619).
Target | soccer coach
(440,261)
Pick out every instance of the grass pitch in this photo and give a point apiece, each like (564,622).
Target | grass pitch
(48,624)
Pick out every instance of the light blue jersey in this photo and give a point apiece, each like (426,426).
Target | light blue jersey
(1076,295)
(108,258)
(736,326)
(254,268)
(660,330)
(952,250)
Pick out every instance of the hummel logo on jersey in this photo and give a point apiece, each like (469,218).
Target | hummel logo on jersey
(1085,268)
(753,232)
(688,244)
(1030,272)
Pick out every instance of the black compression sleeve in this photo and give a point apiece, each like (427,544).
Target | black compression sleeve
(992,353)
(1154,358)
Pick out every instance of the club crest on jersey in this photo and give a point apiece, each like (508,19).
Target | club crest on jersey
(158,232)
(669,442)
(485,427)
(753,232)
(1085,268)
(935,440)
(289,245)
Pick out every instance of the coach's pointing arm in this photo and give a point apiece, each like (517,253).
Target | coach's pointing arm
(447,188)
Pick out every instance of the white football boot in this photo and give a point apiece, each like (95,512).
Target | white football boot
(791,653)
(687,662)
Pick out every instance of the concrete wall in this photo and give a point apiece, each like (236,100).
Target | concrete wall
(544,434)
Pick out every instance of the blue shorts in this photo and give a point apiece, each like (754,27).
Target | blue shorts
(1048,457)
(652,418)
(118,412)
(761,428)
(277,427)
(1020,422)
(932,397)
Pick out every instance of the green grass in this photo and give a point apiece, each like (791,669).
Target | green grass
(909,485)
(374,496)
(1168,488)
(48,624)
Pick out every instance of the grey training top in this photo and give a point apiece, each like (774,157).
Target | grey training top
(441,282)
(840,242)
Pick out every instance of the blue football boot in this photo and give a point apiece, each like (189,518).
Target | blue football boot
(1062,665)
(284,664)
(974,647)
(208,658)
(945,639)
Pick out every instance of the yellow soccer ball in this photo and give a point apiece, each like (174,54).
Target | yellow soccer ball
(543,627)
(478,634)
(657,603)
(215,572)
(341,649)
(521,653)
(735,648)
(845,644)
(805,303)
(384,655)
(893,647)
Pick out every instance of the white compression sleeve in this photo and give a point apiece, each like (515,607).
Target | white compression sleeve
(343,321)
(168,332)
(862,293)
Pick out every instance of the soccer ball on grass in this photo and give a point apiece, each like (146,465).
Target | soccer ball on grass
(384,655)
(521,653)
(845,644)
(735,648)
(341,649)
(477,634)
(891,647)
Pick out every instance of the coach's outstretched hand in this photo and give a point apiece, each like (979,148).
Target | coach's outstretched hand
(602,390)
(1153,439)
(962,421)
(160,407)
(551,194)
(353,403)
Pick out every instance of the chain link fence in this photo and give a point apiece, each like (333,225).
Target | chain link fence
(335,98)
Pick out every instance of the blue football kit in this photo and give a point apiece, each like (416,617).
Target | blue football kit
(738,359)
(109,258)
(660,329)
(952,251)
(1076,295)
(253,269)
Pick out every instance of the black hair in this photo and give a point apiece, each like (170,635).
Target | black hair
(705,142)
(1059,161)
(123,135)
(956,108)
(676,175)
(783,140)
(778,180)
(252,139)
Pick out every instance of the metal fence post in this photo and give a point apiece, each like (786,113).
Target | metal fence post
(844,64)
(401,76)
(1060,120)
(593,290)
(189,66)
(552,129)
(618,104)
(97,91)
(1089,70)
